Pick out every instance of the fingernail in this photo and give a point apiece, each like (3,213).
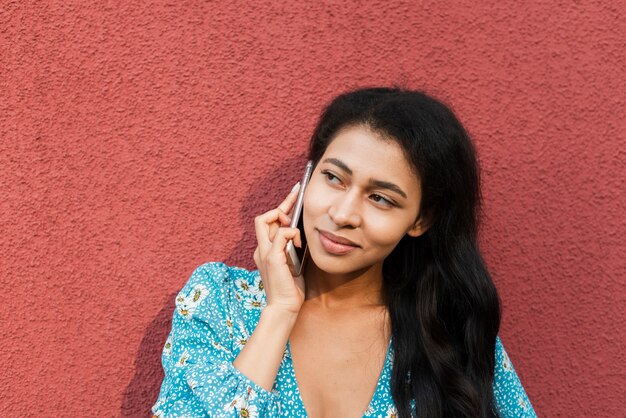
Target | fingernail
(295,187)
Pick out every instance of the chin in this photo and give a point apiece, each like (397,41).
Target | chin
(336,265)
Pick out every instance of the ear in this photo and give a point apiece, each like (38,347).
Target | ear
(418,228)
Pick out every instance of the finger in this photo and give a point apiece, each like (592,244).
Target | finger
(274,216)
(298,239)
(256,258)
(266,225)
(291,198)
(262,227)
(263,223)
(273,228)
(283,220)
(277,251)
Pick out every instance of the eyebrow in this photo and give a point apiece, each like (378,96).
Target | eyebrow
(377,183)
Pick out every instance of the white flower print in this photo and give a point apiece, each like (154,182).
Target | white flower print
(182,360)
(242,329)
(167,349)
(522,402)
(254,303)
(506,362)
(192,383)
(241,404)
(245,408)
(249,411)
(241,337)
(219,346)
(244,287)
(257,288)
(392,412)
(251,394)
(157,409)
(186,305)
(237,402)
(229,326)
(250,294)
(369,410)
(240,343)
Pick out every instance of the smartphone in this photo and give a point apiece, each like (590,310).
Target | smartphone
(297,257)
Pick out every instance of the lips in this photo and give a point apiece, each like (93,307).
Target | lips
(335,244)
(337,239)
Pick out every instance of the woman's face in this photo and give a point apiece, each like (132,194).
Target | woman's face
(362,190)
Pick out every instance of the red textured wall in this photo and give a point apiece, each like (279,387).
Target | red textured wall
(139,141)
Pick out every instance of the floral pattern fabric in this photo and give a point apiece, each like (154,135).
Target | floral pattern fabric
(216,312)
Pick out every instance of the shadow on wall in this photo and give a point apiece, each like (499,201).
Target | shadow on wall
(139,395)
(265,194)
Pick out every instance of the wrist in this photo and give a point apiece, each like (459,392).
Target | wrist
(276,313)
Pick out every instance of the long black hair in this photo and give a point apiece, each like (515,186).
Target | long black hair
(443,305)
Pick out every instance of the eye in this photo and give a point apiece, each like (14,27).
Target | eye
(377,198)
(386,202)
(329,175)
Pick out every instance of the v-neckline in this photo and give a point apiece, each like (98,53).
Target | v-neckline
(376,390)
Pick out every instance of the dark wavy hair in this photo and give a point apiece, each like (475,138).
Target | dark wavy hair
(443,305)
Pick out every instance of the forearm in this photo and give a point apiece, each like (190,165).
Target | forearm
(260,358)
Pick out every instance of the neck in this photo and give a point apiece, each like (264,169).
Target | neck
(340,291)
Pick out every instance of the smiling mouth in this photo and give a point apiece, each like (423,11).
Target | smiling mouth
(332,246)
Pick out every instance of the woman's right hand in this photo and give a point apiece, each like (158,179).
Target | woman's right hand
(283,291)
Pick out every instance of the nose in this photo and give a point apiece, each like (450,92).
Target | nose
(345,210)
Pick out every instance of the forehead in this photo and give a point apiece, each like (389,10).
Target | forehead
(367,154)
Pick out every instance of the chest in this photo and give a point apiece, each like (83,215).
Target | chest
(338,364)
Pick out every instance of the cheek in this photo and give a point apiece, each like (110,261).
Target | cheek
(384,237)
(309,209)
(384,230)
(312,203)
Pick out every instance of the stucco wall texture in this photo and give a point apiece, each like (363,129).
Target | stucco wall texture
(138,141)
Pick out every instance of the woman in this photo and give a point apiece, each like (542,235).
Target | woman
(395,314)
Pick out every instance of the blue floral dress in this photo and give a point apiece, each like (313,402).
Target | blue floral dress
(216,312)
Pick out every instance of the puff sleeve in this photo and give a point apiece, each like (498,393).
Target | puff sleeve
(200,379)
(510,398)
